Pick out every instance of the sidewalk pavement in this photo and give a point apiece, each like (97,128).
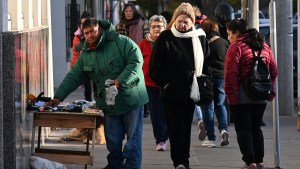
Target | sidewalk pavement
(201,157)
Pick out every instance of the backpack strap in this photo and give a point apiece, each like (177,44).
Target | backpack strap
(213,39)
(258,54)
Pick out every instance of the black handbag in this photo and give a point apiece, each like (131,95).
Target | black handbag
(206,90)
(205,83)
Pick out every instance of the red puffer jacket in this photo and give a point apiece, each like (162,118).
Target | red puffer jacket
(239,59)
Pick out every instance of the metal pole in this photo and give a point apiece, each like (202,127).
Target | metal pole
(244,10)
(97,8)
(285,56)
(253,21)
(298,71)
(114,11)
(273,41)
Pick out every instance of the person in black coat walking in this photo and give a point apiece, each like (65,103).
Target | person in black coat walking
(177,59)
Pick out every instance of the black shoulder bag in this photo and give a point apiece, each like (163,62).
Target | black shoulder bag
(204,82)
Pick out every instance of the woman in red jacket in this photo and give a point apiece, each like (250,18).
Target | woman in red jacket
(157,24)
(247,113)
(76,49)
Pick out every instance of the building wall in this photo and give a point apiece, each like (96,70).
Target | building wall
(60,64)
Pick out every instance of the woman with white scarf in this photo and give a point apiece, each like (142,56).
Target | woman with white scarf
(177,59)
(157,24)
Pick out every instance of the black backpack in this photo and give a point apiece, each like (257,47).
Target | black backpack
(258,84)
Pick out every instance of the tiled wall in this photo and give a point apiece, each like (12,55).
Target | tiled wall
(24,70)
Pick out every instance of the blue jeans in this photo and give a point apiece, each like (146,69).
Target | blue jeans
(130,124)
(217,106)
(198,113)
(157,115)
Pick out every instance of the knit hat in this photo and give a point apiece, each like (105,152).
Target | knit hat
(185,8)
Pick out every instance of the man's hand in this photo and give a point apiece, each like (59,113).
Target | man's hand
(53,103)
(117,83)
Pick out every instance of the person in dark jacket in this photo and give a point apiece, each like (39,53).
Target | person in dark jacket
(224,13)
(247,113)
(112,61)
(218,47)
(177,59)
(132,23)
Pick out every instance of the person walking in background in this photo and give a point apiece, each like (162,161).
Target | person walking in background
(198,112)
(224,13)
(132,23)
(76,49)
(157,24)
(199,17)
(246,112)
(177,59)
(218,47)
(112,61)
(200,123)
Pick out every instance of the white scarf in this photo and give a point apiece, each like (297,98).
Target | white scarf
(198,56)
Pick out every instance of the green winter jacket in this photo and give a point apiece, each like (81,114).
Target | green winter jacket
(115,57)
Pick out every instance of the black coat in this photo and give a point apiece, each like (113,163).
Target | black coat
(169,67)
(218,50)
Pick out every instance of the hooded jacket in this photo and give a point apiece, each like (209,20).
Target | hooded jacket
(114,57)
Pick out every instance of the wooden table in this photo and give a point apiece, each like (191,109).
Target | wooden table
(64,120)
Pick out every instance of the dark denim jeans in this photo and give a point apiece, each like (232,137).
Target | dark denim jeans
(130,124)
(157,115)
(247,118)
(216,106)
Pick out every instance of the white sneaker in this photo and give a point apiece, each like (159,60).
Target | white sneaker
(225,138)
(180,167)
(209,143)
(161,146)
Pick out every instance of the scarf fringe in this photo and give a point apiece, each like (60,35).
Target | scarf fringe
(195,95)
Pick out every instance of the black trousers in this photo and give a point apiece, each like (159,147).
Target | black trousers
(88,89)
(247,118)
(179,122)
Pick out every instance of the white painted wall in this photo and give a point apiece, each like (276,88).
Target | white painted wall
(58,20)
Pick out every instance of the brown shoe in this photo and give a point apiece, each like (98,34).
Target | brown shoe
(202,132)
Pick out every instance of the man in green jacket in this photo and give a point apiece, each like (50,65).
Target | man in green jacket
(108,56)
